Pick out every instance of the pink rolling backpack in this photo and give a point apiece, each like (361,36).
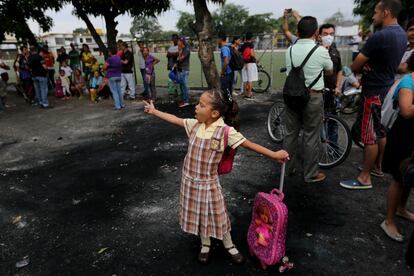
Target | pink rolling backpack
(58,89)
(267,231)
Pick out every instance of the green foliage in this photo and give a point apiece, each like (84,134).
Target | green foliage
(230,19)
(80,31)
(233,19)
(260,23)
(117,7)
(365,8)
(14,15)
(145,28)
(185,23)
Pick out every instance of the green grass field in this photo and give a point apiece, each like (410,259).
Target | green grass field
(197,79)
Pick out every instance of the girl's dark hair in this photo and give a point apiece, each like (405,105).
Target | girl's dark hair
(234,39)
(226,106)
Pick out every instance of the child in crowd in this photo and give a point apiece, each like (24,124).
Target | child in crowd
(202,208)
(150,61)
(103,91)
(65,82)
(95,66)
(78,84)
(68,71)
(96,82)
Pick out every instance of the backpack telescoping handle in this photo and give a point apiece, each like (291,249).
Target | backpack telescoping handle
(282,177)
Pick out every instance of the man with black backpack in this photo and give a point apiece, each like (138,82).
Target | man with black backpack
(306,63)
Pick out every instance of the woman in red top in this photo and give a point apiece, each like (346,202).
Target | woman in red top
(49,60)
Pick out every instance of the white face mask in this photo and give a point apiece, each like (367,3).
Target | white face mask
(327,40)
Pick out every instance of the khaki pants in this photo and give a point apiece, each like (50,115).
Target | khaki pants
(310,120)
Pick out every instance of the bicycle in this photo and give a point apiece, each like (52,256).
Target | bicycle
(334,134)
(263,82)
(350,101)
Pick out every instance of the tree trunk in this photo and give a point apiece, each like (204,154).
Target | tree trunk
(83,15)
(111,31)
(204,31)
(29,37)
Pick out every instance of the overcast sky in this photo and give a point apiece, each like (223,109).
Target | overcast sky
(64,21)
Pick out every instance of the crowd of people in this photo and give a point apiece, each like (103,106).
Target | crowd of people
(383,65)
(388,51)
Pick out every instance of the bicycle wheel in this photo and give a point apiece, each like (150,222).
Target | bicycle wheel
(275,121)
(356,134)
(263,83)
(336,142)
(349,105)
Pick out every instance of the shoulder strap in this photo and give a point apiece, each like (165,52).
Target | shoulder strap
(226,135)
(291,61)
(309,55)
(316,80)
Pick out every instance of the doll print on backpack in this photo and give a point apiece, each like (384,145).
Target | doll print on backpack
(264,225)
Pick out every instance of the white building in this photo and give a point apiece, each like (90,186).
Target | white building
(57,40)
(344,34)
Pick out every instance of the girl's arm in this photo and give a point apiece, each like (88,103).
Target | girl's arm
(156,60)
(150,109)
(281,156)
(406,103)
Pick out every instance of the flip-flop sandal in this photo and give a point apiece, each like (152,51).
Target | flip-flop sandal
(354,184)
(402,215)
(395,237)
(373,172)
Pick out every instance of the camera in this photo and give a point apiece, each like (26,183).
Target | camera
(289,10)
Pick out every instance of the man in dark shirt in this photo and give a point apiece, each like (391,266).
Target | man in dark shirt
(40,76)
(184,70)
(127,76)
(378,61)
(63,56)
(332,81)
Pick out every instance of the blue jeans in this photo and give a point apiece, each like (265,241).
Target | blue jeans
(41,90)
(115,86)
(184,85)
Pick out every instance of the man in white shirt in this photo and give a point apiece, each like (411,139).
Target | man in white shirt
(141,62)
(310,118)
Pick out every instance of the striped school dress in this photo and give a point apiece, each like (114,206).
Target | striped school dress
(202,208)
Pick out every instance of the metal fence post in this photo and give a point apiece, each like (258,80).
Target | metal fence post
(271,60)
(133,59)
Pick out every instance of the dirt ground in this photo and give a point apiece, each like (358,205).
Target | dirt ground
(86,190)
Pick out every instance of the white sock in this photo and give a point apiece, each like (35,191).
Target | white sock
(228,243)
(205,241)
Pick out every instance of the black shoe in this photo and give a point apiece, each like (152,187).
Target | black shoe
(46,107)
(203,257)
(236,258)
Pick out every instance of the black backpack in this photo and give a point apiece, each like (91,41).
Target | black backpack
(295,92)
(236,60)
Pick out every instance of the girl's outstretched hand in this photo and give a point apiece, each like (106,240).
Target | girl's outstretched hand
(281,156)
(149,107)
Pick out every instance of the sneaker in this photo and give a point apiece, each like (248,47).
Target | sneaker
(354,184)
(183,105)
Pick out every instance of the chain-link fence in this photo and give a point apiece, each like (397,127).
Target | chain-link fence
(269,49)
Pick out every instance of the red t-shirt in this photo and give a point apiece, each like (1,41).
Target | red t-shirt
(48,59)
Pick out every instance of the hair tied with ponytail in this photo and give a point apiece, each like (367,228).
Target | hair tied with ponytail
(226,106)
